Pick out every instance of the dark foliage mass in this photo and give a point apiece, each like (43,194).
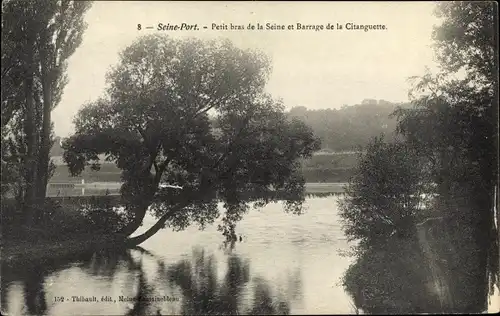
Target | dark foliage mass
(194,114)
(38,38)
(63,219)
(384,196)
(392,279)
(450,152)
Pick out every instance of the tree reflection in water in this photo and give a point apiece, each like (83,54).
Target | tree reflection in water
(413,275)
(34,292)
(32,276)
(105,263)
(263,301)
(204,293)
(392,278)
(143,290)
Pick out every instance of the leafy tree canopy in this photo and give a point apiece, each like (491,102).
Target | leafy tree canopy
(192,113)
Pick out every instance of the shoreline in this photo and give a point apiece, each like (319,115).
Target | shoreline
(24,252)
(113,189)
(13,252)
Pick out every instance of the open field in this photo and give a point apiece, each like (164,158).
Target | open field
(344,156)
(347,160)
(324,173)
(328,168)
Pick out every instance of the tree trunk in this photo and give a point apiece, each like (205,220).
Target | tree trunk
(146,200)
(140,213)
(30,131)
(43,160)
(137,240)
(482,231)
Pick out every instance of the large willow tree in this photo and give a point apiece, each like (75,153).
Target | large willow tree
(194,114)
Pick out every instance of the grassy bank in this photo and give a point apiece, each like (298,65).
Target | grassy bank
(44,251)
(69,225)
(329,168)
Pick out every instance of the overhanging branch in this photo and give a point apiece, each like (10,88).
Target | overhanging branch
(134,241)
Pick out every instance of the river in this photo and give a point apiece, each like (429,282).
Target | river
(283,264)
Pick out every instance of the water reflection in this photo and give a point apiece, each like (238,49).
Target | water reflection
(408,276)
(283,264)
(202,290)
(205,293)
(35,292)
(193,285)
(392,278)
(143,290)
(263,301)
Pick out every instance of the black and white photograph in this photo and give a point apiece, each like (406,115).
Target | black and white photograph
(249,158)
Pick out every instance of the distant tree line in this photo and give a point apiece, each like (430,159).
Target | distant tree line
(344,129)
(350,127)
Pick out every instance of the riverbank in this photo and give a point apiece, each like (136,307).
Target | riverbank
(278,256)
(44,251)
(15,251)
(113,189)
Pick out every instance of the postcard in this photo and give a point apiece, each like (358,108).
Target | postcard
(249,157)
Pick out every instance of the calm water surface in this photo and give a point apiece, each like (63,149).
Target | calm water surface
(284,264)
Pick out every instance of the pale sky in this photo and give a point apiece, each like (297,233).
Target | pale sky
(315,69)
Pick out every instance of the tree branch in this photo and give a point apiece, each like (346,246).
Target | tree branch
(143,133)
(159,169)
(134,241)
(430,219)
(211,105)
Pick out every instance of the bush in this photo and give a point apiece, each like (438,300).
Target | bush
(62,220)
(383,196)
(102,215)
(66,221)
